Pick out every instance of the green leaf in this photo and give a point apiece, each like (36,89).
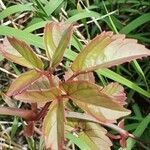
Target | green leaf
(52,6)
(22,82)
(38,96)
(53,126)
(135,23)
(76,140)
(56,38)
(1,57)
(15,9)
(26,52)
(83,91)
(138,132)
(95,136)
(107,50)
(22,35)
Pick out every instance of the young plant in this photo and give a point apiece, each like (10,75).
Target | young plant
(54,100)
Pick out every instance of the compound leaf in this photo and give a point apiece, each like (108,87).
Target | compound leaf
(86,92)
(116,92)
(107,50)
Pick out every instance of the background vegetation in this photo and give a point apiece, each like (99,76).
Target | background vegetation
(25,20)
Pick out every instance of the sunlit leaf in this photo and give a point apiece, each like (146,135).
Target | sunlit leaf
(56,39)
(53,126)
(83,91)
(22,82)
(107,50)
(38,96)
(26,52)
(95,136)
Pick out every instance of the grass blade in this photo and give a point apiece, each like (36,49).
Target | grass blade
(116,77)
(138,132)
(14,9)
(135,23)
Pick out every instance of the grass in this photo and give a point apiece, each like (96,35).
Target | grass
(130,17)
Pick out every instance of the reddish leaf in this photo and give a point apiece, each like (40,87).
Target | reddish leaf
(22,82)
(86,77)
(38,96)
(56,38)
(95,136)
(103,114)
(11,54)
(107,50)
(83,91)
(40,84)
(116,91)
(53,126)
(26,52)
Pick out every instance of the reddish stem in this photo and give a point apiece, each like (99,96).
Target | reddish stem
(25,114)
(44,110)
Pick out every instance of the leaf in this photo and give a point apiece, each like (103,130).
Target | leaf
(53,126)
(38,96)
(86,92)
(15,9)
(90,134)
(95,136)
(22,82)
(26,52)
(107,50)
(11,54)
(56,38)
(40,84)
(116,91)
(103,114)
(86,77)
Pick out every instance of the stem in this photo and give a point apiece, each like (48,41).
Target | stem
(78,73)
(42,113)
(25,114)
(90,118)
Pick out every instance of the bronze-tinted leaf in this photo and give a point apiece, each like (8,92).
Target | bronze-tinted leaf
(116,91)
(22,82)
(56,37)
(11,54)
(107,50)
(95,136)
(87,76)
(38,96)
(103,114)
(27,53)
(53,126)
(40,84)
(83,91)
